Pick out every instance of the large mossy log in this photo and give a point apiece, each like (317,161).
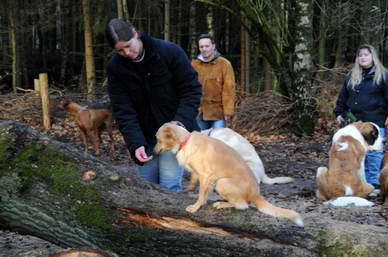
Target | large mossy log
(42,194)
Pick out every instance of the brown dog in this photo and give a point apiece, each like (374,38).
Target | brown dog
(90,122)
(384,180)
(345,175)
(214,162)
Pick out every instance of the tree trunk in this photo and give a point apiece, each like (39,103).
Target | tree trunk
(267,76)
(44,192)
(74,30)
(209,21)
(167,20)
(302,93)
(89,57)
(178,34)
(247,60)
(342,34)
(59,34)
(4,43)
(24,48)
(243,58)
(125,10)
(64,59)
(192,31)
(120,13)
(16,64)
(227,32)
(323,29)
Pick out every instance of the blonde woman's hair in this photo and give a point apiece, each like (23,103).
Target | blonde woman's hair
(356,72)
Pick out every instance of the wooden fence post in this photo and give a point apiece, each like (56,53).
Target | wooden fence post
(36,85)
(43,83)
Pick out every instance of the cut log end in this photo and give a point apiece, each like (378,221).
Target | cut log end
(80,253)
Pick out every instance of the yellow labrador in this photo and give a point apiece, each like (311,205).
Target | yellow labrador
(214,162)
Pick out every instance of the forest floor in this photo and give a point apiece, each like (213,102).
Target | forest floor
(282,155)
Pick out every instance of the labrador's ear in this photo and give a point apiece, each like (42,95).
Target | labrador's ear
(170,134)
(168,137)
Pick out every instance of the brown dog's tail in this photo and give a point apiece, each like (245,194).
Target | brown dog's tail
(269,209)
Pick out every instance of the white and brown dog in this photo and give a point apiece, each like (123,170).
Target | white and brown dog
(346,173)
(384,180)
(213,162)
(247,152)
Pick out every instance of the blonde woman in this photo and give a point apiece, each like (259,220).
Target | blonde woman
(365,95)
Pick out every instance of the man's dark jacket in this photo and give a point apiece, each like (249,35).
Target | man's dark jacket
(144,95)
(367,101)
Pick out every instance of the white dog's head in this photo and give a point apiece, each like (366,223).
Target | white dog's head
(367,133)
(371,133)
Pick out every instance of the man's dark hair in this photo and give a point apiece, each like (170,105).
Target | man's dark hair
(202,36)
(118,30)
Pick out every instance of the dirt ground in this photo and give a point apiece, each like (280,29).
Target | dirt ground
(282,155)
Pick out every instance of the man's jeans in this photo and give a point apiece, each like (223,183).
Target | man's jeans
(373,164)
(207,124)
(164,170)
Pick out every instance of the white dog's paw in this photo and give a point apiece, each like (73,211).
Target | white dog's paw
(192,208)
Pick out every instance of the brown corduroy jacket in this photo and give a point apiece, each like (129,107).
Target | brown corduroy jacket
(218,88)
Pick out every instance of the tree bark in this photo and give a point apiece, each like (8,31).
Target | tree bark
(323,30)
(267,76)
(16,63)
(193,31)
(167,20)
(89,57)
(178,33)
(243,57)
(125,10)
(342,33)
(247,60)
(302,72)
(120,12)
(210,21)
(42,193)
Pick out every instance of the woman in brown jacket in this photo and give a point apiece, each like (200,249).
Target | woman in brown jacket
(216,76)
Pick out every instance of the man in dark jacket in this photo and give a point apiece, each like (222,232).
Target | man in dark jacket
(150,82)
(365,95)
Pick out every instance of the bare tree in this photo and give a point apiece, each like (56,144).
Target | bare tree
(192,30)
(167,26)
(120,11)
(89,57)
(14,36)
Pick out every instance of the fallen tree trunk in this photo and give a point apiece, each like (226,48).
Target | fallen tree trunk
(42,193)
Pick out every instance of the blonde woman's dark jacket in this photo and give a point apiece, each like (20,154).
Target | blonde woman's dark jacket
(218,88)
(367,101)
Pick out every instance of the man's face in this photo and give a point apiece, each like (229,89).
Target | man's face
(130,49)
(206,47)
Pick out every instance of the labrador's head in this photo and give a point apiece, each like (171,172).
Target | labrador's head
(168,136)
